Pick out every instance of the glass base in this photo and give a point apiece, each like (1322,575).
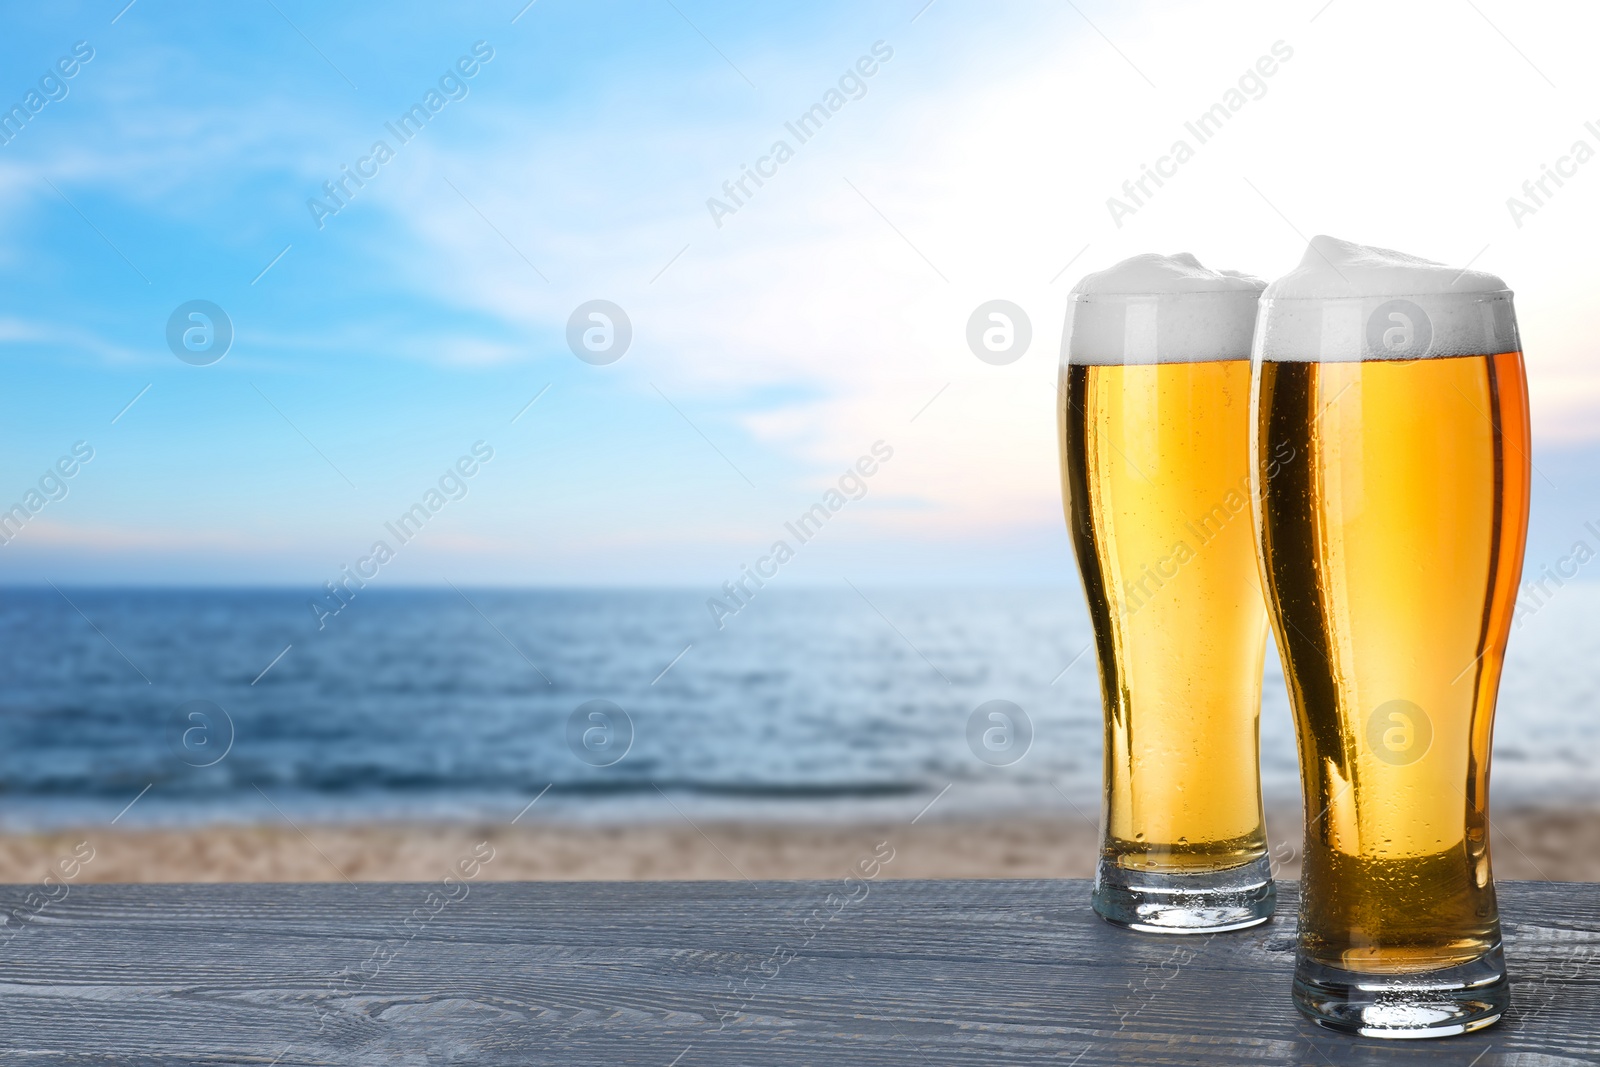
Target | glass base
(1204,902)
(1443,1003)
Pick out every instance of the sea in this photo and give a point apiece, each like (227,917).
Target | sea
(199,706)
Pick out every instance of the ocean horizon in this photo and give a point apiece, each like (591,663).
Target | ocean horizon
(195,706)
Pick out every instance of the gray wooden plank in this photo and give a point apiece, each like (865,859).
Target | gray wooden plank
(712,973)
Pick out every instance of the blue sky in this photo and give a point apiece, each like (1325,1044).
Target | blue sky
(770,352)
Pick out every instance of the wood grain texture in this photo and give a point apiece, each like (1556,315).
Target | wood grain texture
(687,973)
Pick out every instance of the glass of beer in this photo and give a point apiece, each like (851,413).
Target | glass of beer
(1391,547)
(1155,471)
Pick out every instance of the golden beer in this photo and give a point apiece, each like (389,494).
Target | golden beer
(1391,551)
(1155,469)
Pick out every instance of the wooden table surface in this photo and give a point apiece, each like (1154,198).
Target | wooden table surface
(686,973)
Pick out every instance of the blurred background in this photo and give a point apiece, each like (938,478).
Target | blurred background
(404,404)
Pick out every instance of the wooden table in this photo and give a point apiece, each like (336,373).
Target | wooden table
(886,972)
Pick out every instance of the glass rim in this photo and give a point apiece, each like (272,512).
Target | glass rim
(1111,298)
(1489,294)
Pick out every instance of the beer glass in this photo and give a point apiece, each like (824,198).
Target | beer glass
(1391,547)
(1155,472)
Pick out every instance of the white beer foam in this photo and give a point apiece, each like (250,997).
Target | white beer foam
(1334,268)
(1151,273)
(1160,309)
(1348,302)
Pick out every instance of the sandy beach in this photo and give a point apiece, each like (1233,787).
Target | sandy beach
(1560,845)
